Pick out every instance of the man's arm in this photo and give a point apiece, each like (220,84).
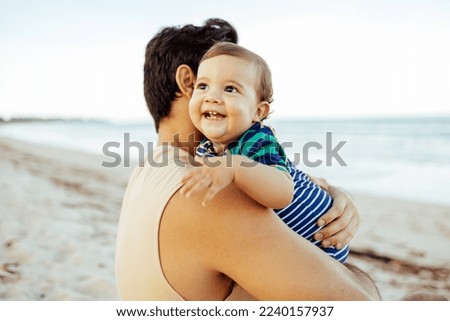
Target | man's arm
(259,252)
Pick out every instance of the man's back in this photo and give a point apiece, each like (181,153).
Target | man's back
(139,275)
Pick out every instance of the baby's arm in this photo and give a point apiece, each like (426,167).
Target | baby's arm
(267,185)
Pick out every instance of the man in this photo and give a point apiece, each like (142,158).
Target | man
(170,247)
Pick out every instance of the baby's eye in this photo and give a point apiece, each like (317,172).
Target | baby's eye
(201,86)
(231,89)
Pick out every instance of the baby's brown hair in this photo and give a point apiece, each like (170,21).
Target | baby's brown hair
(264,89)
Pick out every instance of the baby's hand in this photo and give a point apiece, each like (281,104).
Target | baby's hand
(214,174)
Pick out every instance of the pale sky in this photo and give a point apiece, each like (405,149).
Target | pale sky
(328,58)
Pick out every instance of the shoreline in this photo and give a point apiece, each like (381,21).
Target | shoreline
(60,208)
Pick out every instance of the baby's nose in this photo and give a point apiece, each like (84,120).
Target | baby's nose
(213,98)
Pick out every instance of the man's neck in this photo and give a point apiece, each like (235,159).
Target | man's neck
(173,133)
(177,139)
(177,129)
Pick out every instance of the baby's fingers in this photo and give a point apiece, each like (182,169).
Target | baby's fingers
(189,182)
(212,191)
(197,186)
(188,176)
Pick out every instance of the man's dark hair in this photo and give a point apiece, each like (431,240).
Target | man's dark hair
(172,47)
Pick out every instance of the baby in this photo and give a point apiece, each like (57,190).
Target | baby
(231,98)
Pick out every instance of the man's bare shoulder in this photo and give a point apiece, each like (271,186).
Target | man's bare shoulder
(232,226)
(231,207)
(236,237)
(192,238)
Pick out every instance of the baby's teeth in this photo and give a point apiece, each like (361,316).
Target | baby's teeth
(212,114)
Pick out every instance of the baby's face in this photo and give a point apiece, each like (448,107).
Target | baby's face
(224,102)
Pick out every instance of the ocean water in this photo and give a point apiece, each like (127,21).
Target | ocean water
(406,158)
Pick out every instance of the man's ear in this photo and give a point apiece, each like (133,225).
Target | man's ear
(185,79)
(262,111)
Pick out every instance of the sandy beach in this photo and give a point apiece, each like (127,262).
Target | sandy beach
(59,212)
